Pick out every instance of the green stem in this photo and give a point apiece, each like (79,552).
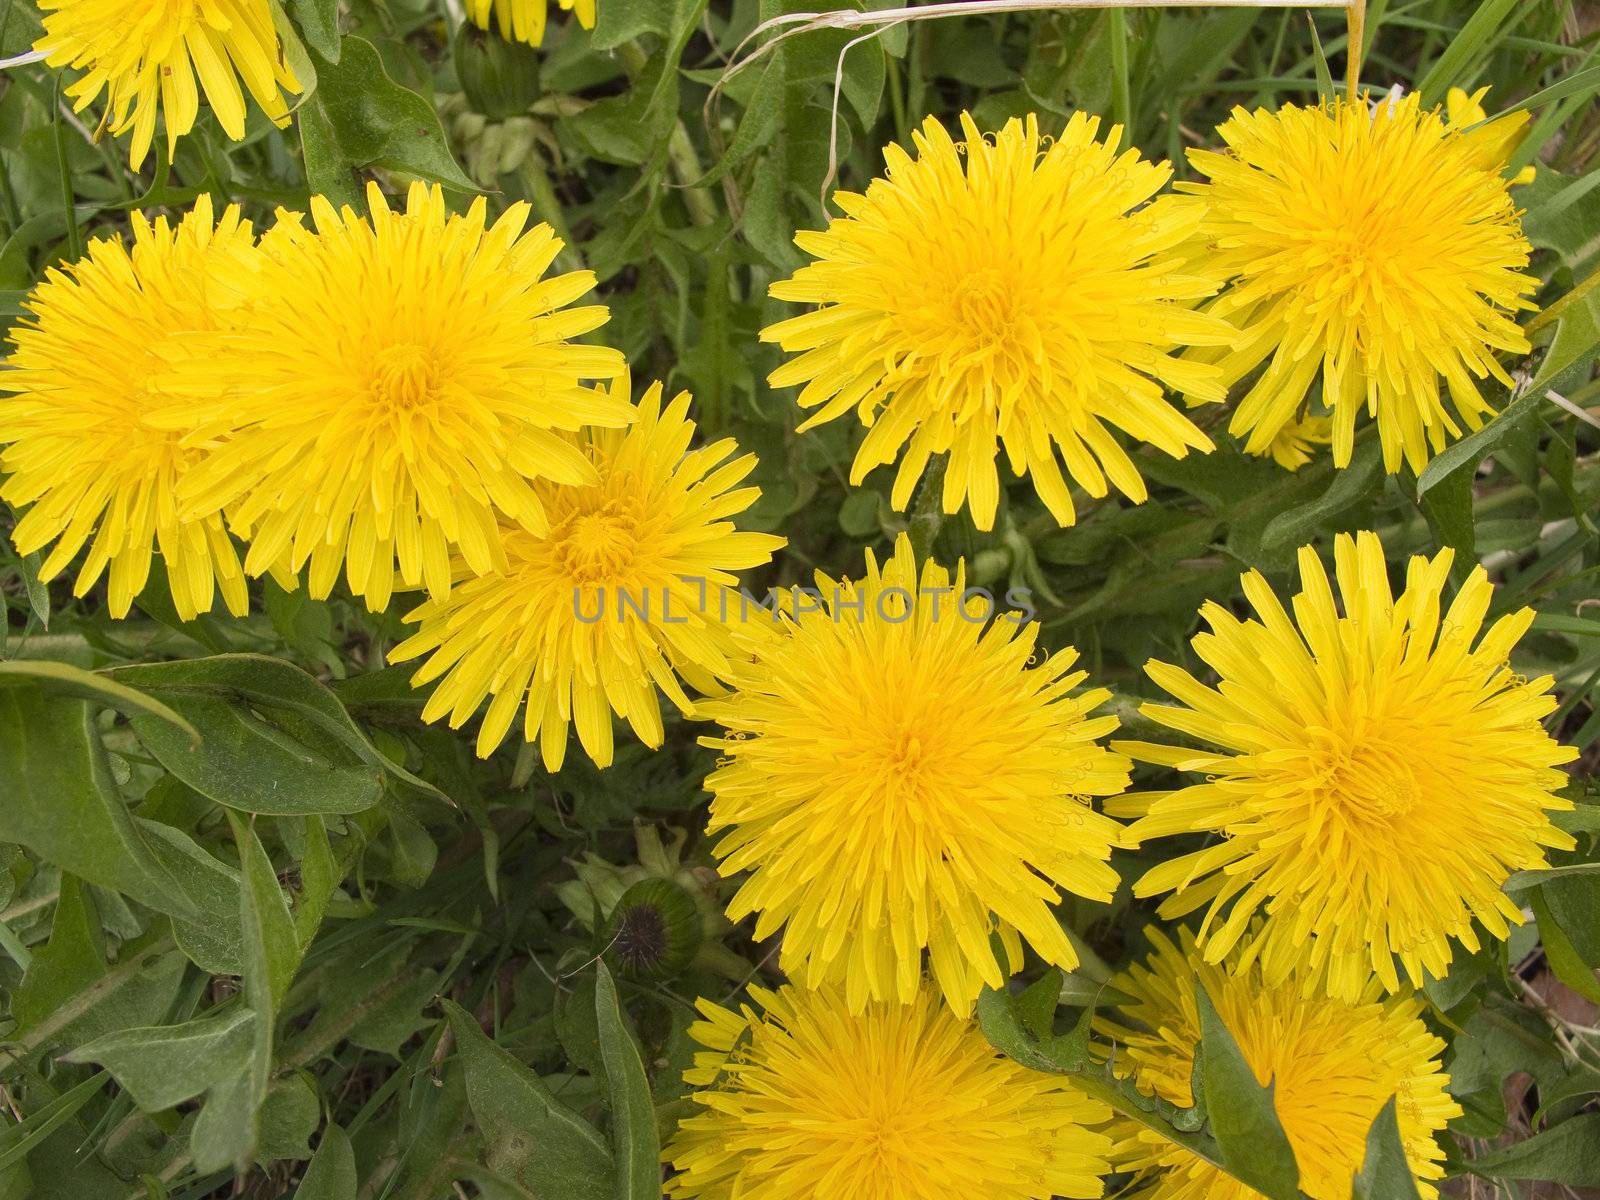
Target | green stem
(1555,311)
(1121,92)
(928,514)
(688,171)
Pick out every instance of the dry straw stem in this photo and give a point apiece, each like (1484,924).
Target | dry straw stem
(877,21)
(1582,414)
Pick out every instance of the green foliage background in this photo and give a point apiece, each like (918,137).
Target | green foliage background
(251,906)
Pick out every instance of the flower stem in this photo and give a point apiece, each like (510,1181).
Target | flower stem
(928,515)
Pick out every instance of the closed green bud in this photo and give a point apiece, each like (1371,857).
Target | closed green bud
(500,78)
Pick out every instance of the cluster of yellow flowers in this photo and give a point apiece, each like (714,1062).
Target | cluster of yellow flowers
(906,786)
(907,794)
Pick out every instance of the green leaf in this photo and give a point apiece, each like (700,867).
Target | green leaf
(1290,530)
(620,21)
(332,1173)
(71,994)
(1585,83)
(63,679)
(1564,1154)
(1014,1025)
(319,876)
(162,1066)
(292,45)
(1581,1084)
(68,963)
(1319,58)
(249,762)
(302,718)
(212,940)
(635,127)
(532,1137)
(38,594)
(361,118)
(409,852)
(228,1132)
(1448,508)
(1574,900)
(1241,1113)
(272,949)
(1561,623)
(1385,1174)
(760,122)
(290,1115)
(319,25)
(1079,989)
(633,1117)
(1518,880)
(1564,958)
(1038,1002)
(273,740)
(228,1128)
(61,801)
(1572,348)
(1465,455)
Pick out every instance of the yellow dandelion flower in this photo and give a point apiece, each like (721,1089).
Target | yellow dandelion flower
(1333,1066)
(624,594)
(86,450)
(1380,250)
(1011,290)
(1462,110)
(523,20)
(896,778)
(409,378)
(1296,443)
(810,1099)
(146,56)
(1379,774)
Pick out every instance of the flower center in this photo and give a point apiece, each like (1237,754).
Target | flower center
(912,756)
(600,545)
(984,303)
(402,377)
(1373,782)
(909,754)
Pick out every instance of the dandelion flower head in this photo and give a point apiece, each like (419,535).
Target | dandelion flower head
(809,1099)
(147,56)
(1332,1064)
(1008,291)
(625,592)
(93,435)
(1340,738)
(1378,249)
(412,376)
(896,777)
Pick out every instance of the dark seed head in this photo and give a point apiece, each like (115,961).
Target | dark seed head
(654,931)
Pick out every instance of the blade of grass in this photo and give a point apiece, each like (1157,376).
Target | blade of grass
(74,235)
(1320,62)
(1487,26)
(1582,84)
